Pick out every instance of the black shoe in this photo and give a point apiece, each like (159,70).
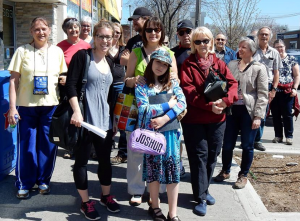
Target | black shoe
(154,213)
(88,209)
(110,203)
(182,172)
(176,218)
(259,146)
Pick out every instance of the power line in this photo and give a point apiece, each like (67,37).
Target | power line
(281,16)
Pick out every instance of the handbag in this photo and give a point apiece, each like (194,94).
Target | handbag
(62,132)
(146,141)
(216,86)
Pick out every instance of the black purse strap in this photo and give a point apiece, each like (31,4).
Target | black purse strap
(249,65)
(222,77)
(144,115)
(145,55)
(85,75)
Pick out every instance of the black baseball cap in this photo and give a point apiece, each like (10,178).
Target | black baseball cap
(139,12)
(185,24)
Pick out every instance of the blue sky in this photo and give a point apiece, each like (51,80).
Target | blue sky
(272,8)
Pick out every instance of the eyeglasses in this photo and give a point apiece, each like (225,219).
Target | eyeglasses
(150,30)
(102,37)
(205,41)
(181,32)
(85,26)
(220,39)
(118,33)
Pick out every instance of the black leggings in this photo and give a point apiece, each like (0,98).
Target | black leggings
(103,150)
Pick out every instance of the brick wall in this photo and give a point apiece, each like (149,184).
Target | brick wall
(25,12)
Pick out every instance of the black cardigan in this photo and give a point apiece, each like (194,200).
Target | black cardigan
(76,72)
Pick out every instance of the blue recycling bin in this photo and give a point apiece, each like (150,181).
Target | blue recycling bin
(8,141)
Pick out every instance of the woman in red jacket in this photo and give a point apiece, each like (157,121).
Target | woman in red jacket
(204,123)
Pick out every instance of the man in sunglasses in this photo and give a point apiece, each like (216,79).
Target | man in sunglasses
(184,33)
(222,51)
(139,17)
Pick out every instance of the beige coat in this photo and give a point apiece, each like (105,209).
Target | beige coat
(254,87)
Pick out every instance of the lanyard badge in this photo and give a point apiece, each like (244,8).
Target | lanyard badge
(40,82)
(40,85)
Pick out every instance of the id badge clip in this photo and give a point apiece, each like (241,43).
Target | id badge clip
(40,85)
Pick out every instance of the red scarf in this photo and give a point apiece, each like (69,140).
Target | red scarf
(204,63)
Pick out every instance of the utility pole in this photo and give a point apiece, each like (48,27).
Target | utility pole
(198,13)
(130,21)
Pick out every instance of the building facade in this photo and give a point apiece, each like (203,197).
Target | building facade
(16,16)
(291,39)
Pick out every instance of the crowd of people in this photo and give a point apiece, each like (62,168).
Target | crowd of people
(259,78)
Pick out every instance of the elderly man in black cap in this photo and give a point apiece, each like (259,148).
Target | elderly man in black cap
(184,33)
(139,17)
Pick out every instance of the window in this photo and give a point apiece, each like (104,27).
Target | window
(293,44)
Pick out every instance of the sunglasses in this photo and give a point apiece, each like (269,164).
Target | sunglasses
(198,42)
(220,39)
(102,37)
(188,31)
(150,30)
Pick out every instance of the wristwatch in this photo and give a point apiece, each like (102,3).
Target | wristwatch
(274,88)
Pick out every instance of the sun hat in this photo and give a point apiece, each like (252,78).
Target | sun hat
(162,55)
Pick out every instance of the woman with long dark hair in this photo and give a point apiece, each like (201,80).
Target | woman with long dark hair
(153,34)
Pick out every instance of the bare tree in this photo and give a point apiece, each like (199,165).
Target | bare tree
(233,17)
(170,12)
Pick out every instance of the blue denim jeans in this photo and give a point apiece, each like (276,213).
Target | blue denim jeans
(239,120)
(117,88)
(282,105)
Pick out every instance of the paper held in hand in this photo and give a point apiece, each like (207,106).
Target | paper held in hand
(94,129)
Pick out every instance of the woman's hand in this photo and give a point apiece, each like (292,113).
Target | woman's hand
(218,106)
(11,116)
(140,80)
(173,101)
(76,119)
(221,103)
(256,123)
(293,93)
(159,121)
(62,80)
(216,109)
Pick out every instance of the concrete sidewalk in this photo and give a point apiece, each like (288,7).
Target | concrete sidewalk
(63,202)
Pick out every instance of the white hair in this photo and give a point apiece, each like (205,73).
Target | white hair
(86,19)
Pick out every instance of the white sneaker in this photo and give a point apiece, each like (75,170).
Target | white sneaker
(44,189)
(289,141)
(23,194)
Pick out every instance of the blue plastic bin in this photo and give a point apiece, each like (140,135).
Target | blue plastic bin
(8,141)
